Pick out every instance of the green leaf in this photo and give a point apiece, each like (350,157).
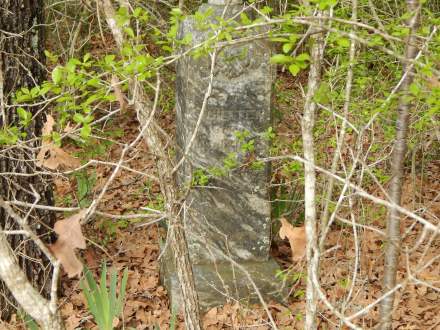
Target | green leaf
(266,10)
(44,89)
(129,31)
(92,98)
(85,131)
(325,4)
(57,74)
(52,58)
(78,118)
(303,57)
(94,82)
(414,89)
(279,39)
(302,65)
(281,59)
(105,297)
(137,12)
(9,135)
(294,69)
(35,91)
(245,19)
(293,37)
(109,59)
(323,93)
(287,47)
(86,57)
(343,42)
(25,116)
(88,119)
(56,137)
(122,291)
(127,50)
(113,283)
(82,185)
(102,302)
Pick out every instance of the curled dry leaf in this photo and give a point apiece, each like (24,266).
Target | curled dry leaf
(297,238)
(51,156)
(70,237)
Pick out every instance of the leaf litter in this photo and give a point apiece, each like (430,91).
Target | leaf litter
(147,304)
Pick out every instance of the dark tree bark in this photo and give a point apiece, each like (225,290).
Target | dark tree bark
(21,65)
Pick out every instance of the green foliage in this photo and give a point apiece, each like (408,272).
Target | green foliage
(257,165)
(25,116)
(289,276)
(84,185)
(269,135)
(28,321)
(104,303)
(158,203)
(230,162)
(324,4)
(200,178)
(285,201)
(10,135)
(173,320)
(295,63)
(111,228)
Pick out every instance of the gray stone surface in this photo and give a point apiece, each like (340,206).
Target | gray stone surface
(229,217)
(232,210)
(216,283)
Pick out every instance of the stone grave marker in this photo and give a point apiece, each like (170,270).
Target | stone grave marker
(228,217)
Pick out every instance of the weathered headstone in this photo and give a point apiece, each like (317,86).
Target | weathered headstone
(229,217)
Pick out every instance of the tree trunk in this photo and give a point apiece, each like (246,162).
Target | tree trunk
(21,65)
(392,250)
(145,112)
(307,124)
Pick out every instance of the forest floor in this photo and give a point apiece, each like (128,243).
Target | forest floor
(134,245)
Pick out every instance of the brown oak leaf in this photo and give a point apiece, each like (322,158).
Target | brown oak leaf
(51,156)
(70,237)
(296,236)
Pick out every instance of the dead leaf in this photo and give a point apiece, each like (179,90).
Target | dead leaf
(78,299)
(91,258)
(297,238)
(70,230)
(433,82)
(69,128)
(51,156)
(70,238)
(71,319)
(148,283)
(118,93)
(48,126)
(210,317)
